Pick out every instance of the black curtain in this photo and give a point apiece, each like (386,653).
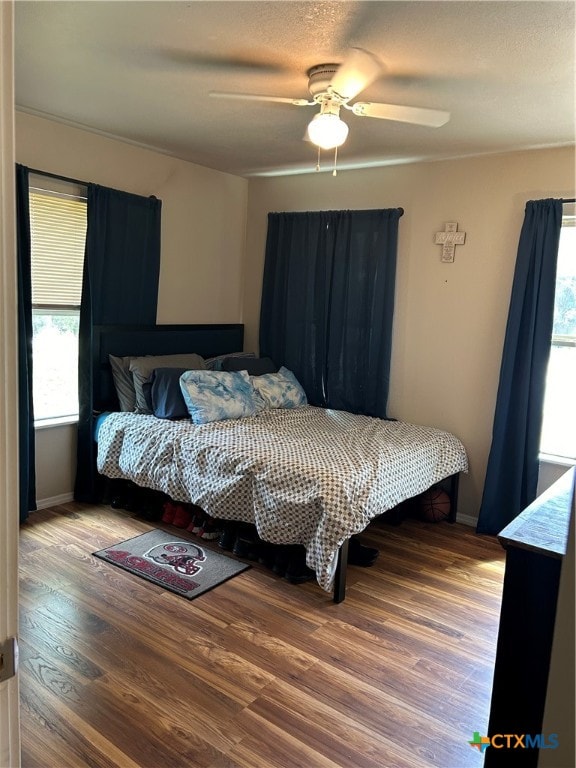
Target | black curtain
(120,286)
(512,474)
(328,303)
(26,434)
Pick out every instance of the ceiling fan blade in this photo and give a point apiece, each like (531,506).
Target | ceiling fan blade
(433,118)
(238,63)
(258,97)
(358,70)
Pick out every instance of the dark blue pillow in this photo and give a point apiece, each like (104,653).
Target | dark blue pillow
(166,395)
(255,366)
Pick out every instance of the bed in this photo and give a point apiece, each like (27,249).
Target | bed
(302,475)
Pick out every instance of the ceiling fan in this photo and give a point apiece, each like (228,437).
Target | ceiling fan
(333,86)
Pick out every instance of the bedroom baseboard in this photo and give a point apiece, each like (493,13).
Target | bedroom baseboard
(53,501)
(467,520)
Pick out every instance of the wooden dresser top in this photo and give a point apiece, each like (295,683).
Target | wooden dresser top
(543,526)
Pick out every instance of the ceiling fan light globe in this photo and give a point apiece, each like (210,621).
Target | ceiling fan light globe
(327,131)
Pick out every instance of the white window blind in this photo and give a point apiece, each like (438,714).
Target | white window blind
(58,236)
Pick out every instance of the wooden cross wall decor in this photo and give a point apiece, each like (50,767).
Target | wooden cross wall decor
(449,239)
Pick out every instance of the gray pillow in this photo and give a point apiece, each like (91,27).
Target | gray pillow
(123,382)
(142,369)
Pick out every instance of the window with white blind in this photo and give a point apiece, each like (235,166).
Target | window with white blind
(558,438)
(58,236)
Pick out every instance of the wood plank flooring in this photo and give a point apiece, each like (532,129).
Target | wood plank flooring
(256,673)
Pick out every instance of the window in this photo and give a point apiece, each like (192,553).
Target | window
(559,425)
(58,236)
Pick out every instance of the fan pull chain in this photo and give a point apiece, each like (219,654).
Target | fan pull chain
(334,172)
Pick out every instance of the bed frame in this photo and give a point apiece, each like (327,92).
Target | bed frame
(207,341)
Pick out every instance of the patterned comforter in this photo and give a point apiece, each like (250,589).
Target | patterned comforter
(304,476)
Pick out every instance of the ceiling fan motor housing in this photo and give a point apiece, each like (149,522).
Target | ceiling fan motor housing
(319,79)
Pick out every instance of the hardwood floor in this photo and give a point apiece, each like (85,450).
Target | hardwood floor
(256,673)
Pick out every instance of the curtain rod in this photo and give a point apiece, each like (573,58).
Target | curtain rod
(56,176)
(571,200)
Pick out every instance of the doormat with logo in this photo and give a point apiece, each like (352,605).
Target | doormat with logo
(177,564)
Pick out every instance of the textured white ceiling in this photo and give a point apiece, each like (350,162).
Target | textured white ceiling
(142,71)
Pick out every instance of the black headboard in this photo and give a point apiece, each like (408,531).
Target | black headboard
(124,340)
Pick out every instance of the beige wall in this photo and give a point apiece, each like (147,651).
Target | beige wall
(55,464)
(203,232)
(449,318)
